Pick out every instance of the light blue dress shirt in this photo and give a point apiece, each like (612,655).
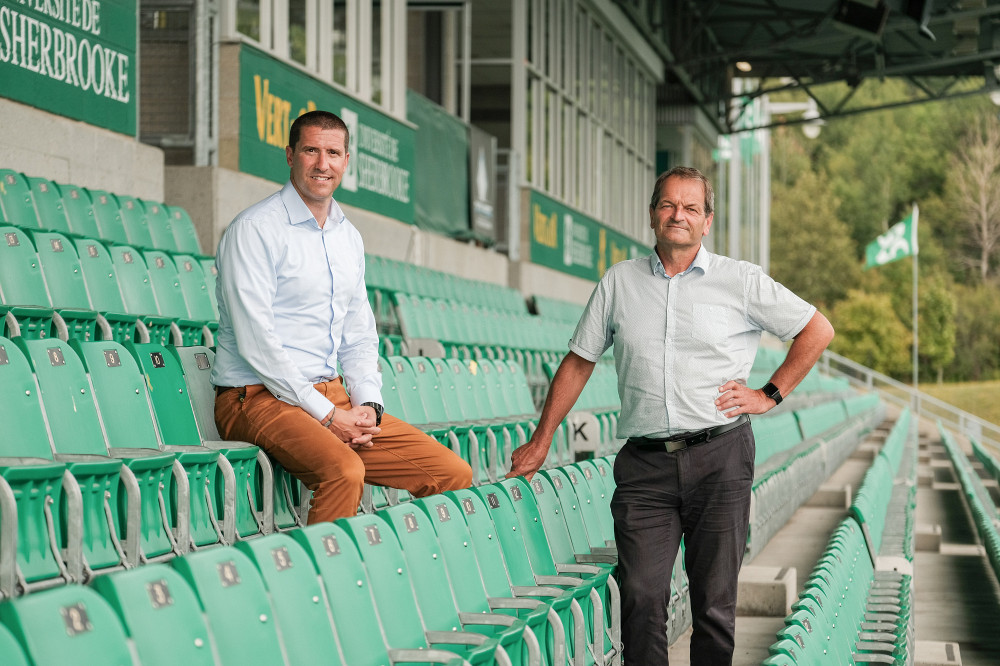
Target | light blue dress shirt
(678,339)
(292,303)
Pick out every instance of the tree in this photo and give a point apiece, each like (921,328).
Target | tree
(977,339)
(869,332)
(975,182)
(936,335)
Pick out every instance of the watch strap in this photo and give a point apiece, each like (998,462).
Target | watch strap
(772,392)
(378,411)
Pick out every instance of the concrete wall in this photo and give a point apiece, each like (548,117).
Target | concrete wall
(39,143)
(532,279)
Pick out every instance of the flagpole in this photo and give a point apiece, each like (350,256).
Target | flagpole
(913,246)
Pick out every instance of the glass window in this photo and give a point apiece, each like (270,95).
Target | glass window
(376,45)
(297,30)
(248,18)
(340,42)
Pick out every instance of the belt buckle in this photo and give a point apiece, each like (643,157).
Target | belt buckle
(672,445)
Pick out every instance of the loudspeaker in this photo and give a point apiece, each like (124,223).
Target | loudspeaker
(861,18)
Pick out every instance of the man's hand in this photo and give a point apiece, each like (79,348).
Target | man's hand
(528,458)
(355,426)
(737,398)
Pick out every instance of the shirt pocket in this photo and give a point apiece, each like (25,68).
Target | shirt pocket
(711,323)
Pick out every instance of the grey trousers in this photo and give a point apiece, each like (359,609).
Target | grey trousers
(703,494)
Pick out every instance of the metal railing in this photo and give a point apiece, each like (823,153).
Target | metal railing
(921,404)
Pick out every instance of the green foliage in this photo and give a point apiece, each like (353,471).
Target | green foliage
(937,331)
(977,322)
(870,333)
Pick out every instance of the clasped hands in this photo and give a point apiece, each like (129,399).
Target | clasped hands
(354,426)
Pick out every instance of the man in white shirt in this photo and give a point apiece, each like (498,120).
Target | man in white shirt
(292,305)
(685,325)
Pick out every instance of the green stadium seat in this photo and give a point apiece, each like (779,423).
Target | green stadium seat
(166,285)
(108,216)
(16,204)
(60,265)
(133,217)
(68,625)
(235,602)
(160,226)
(434,589)
(394,598)
(185,235)
(79,211)
(11,650)
(287,495)
(298,598)
(211,274)
(160,615)
(102,285)
(21,281)
(48,205)
(365,639)
(123,401)
(197,295)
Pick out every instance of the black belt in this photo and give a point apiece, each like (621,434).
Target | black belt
(219,390)
(686,439)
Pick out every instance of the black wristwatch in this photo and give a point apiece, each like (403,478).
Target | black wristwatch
(379,409)
(772,392)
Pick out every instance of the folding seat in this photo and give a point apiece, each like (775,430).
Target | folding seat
(102,286)
(16,204)
(200,303)
(79,211)
(600,493)
(37,495)
(470,586)
(474,406)
(133,216)
(166,283)
(23,293)
(506,571)
(11,649)
(64,277)
(67,625)
(392,590)
(160,226)
(185,235)
(290,502)
(298,599)
(596,514)
(245,483)
(160,615)
(109,217)
(211,275)
(550,552)
(232,595)
(434,589)
(167,507)
(48,205)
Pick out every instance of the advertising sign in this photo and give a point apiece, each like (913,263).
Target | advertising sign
(272,95)
(75,58)
(567,240)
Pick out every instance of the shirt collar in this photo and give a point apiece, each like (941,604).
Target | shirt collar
(299,213)
(701,261)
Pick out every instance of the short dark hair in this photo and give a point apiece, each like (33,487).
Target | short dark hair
(323,120)
(684,172)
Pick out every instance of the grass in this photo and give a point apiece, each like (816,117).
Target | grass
(978,398)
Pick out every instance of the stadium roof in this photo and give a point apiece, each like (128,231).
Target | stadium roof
(939,46)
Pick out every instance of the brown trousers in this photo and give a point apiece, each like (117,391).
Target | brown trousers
(400,456)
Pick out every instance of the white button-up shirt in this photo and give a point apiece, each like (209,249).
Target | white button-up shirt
(292,303)
(678,339)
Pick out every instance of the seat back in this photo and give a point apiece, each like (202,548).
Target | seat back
(133,216)
(16,204)
(390,391)
(100,276)
(60,265)
(172,407)
(298,598)
(185,235)
(108,216)
(232,595)
(133,280)
(352,607)
(79,211)
(428,388)
(409,394)
(160,613)
(11,650)
(166,284)
(25,434)
(195,288)
(48,205)
(67,625)
(160,226)
(496,544)
(21,281)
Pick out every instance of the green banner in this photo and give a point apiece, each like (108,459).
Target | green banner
(897,243)
(569,241)
(75,58)
(379,176)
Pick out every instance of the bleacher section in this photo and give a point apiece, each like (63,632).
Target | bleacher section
(132,532)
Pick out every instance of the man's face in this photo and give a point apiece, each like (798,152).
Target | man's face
(317,163)
(678,220)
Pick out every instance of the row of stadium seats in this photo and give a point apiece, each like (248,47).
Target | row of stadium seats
(508,573)
(855,607)
(798,452)
(389,276)
(985,513)
(553,308)
(171,295)
(40,204)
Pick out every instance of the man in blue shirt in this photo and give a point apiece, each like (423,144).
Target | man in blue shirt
(292,304)
(685,325)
